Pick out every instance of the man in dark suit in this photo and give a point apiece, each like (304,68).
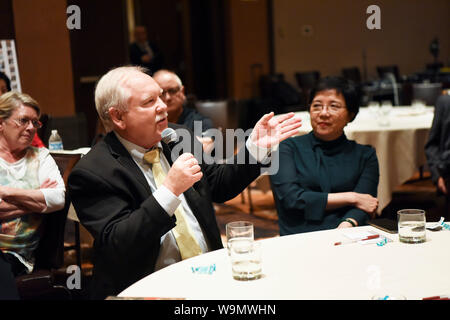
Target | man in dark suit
(144,53)
(117,197)
(437,148)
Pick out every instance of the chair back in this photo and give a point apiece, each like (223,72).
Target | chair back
(221,112)
(383,70)
(50,251)
(352,74)
(65,163)
(72,129)
(307,81)
(427,92)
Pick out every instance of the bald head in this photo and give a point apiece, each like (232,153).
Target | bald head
(173,93)
(165,75)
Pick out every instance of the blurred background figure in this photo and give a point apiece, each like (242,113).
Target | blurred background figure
(5,83)
(5,86)
(437,148)
(143,53)
(174,97)
(30,183)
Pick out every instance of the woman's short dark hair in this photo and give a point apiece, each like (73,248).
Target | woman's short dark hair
(342,86)
(7,81)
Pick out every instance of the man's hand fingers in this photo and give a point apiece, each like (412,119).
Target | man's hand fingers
(285,117)
(291,127)
(197,176)
(265,118)
(185,156)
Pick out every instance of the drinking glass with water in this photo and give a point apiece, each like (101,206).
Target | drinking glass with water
(411,226)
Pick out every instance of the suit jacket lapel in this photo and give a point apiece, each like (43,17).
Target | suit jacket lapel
(167,153)
(192,196)
(124,158)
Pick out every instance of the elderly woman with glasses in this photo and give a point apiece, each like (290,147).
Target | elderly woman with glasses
(30,182)
(326,181)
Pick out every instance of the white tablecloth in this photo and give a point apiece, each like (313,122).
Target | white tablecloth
(399,146)
(309,266)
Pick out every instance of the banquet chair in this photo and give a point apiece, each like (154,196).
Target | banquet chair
(72,129)
(279,94)
(261,184)
(352,74)
(306,82)
(427,92)
(65,163)
(223,114)
(219,111)
(384,70)
(49,256)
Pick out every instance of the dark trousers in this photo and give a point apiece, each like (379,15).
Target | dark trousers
(8,289)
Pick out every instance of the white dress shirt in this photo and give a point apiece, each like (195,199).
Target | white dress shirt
(169,252)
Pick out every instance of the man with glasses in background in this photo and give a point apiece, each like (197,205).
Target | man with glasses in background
(178,112)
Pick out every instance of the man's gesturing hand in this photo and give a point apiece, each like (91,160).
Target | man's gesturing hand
(269,131)
(184,172)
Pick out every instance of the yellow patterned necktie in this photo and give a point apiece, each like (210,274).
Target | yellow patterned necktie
(187,244)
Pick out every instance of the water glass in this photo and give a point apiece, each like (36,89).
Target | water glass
(383,113)
(374,106)
(238,230)
(418,105)
(245,258)
(411,225)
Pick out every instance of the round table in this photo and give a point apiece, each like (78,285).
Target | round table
(310,266)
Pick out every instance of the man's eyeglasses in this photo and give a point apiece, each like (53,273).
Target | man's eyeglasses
(333,108)
(170,91)
(23,122)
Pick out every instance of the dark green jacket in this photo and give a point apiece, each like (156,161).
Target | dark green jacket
(309,170)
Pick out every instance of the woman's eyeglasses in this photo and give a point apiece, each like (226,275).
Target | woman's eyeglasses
(333,108)
(23,122)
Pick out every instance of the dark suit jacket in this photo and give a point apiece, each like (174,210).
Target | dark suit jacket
(438,145)
(115,204)
(155,64)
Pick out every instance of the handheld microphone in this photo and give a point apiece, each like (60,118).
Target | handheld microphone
(169,136)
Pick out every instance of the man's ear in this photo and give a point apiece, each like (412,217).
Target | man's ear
(117,118)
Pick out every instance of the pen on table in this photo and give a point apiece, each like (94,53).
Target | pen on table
(353,241)
(437,298)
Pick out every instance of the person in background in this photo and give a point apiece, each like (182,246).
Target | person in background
(5,86)
(437,148)
(326,181)
(145,206)
(5,83)
(30,182)
(174,97)
(143,53)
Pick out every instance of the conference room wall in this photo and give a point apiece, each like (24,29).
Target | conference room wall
(340,35)
(43,50)
(6,20)
(247,43)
